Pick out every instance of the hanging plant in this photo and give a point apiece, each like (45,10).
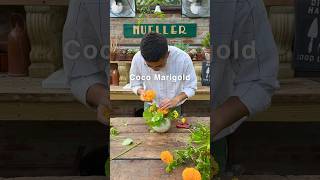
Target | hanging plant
(144,9)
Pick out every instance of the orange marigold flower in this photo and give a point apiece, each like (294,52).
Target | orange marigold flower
(149,95)
(163,111)
(191,174)
(166,157)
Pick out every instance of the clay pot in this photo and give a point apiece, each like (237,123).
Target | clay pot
(164,127)
(200,56)
(3,62)
(115,76)
(18,47)
(113,56)
(121,56)
(129,57)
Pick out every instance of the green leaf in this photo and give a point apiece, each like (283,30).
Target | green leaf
(114,132)
(127,142)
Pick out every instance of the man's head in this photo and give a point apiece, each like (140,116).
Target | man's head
(154,49)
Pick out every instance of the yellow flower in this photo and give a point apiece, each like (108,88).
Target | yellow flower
(166,157)
(175,114)
(191,174)
(152,108)
(148,95)
(184,120)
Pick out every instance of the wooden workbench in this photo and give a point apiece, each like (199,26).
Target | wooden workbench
(143,162)
(296,100)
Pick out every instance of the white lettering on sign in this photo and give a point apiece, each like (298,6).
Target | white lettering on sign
(314,8)
(309,58)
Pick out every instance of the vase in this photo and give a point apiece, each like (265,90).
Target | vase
(115,76)
(164,127)
(18,47)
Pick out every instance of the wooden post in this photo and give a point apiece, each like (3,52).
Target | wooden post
(45,25)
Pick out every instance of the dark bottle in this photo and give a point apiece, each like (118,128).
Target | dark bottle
(18,47)
(115,76)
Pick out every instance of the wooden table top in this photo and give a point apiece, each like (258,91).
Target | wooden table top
(143,162)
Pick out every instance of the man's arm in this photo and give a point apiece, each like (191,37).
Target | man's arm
(189,87)
(256,78)
(135,83)
(86,77)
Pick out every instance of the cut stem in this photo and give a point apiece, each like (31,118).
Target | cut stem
(126,151)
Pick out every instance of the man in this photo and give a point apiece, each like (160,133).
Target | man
(86,32)
(165,69)
(244,79)
(86,28)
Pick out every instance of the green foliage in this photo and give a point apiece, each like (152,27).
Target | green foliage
(182,46)
(206,41)
(144,8)
(127,142)
(196,152)
(154,118)
(107,167)
(114,132)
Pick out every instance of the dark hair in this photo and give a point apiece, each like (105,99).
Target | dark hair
(153,47)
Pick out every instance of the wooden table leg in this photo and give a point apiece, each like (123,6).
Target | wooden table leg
(45,25)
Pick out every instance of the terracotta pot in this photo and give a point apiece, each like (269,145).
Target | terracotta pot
(113,56)
(121,56)
(129,57)
(200,56)
(18,47)
(3,62)
(115,76)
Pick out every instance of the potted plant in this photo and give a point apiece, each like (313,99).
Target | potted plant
(113,49)
(159,120)
(206,46)
(182,46)
(121,55)
(131,53)
(193,54)
(200,54)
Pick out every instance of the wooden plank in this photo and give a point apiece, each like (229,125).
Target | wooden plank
(27,89)
(288,112)
(152,144)
(45,111)
(138,125)
(142,170)
(279,2)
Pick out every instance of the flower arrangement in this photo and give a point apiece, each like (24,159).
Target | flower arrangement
(197,153)
(159,119)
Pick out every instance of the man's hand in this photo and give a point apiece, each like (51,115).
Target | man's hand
(103,114)
(227,114)
(141,93)
(97,96)
(169,103)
